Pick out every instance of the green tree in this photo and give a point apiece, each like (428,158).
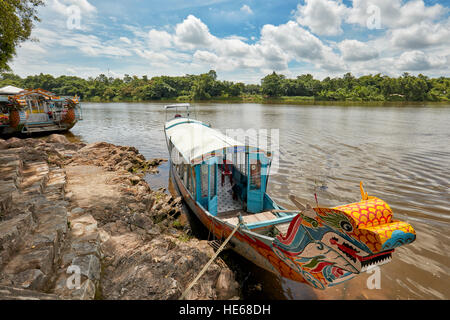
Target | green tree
(16,23)
(199,91)
(271,85)
(206,86)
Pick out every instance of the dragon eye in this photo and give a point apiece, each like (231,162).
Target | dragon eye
(346,226)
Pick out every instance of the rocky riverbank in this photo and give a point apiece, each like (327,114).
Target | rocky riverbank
(80,222)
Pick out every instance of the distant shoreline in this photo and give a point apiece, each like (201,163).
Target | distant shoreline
(281,100)
(274,88)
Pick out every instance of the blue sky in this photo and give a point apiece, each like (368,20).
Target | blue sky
(241,40)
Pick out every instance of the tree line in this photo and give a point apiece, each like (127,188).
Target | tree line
(207,87)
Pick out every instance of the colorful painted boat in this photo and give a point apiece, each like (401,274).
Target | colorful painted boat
(319,246)
(38,110)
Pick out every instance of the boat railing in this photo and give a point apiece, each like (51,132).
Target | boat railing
(262,224)
(185,106)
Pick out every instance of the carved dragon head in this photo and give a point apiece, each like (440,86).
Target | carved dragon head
(330,245)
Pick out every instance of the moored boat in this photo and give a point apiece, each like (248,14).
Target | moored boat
(30,111)
(224,182)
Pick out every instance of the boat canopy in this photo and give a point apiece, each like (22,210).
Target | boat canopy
(197,142)
(178,105)
(10,90)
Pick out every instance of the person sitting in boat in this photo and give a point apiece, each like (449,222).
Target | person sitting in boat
(226,171)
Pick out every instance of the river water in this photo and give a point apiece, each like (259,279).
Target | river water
(402,153)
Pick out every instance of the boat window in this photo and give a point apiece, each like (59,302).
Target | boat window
(180,171)
(189,179)
(241,165)
(193,181)
(185,174)
(204,177)
(245,164)
(34,106)
(255,175)
(187,182)
(213,180)
(174,157)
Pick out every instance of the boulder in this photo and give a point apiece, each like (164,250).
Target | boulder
(12,234)
(155,231)
(89,266)
(135,179)
(3,144)
(10,293)
(32,259)
(226,285)
(142,221)
(183,220)
(86,292)
(58,138)
(32,279)
(15,143)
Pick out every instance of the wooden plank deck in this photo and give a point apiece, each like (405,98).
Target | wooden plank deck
(232,216)
(283,228)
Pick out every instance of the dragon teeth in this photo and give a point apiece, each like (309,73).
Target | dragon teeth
(377,263)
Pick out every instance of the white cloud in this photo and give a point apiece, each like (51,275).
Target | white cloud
(354,50)
(89,45)
(159,39)
(420,36)
(151,55)
(125,39)
(322,17)
(292,47)
(395,13)
(419,61)
(301,45)
(193,33)
(325,17)
(246,9)
(64,8)
(33,47)
(84,5)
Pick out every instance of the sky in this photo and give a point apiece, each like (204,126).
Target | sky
(243,40)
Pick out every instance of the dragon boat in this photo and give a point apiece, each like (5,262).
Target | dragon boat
(319,246)
(30,111)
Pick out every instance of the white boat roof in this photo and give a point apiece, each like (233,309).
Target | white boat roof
(196,141)
(10,90)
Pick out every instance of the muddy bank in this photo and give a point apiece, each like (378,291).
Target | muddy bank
(80,222)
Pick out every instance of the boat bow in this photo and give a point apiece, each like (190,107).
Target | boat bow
(339,242)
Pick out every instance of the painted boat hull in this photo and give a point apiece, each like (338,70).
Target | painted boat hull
(23,125)
(322,247)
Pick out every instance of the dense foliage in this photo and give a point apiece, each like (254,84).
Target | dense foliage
(16,23)
(207,87)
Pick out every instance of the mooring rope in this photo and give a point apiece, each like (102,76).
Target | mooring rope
(209,262)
